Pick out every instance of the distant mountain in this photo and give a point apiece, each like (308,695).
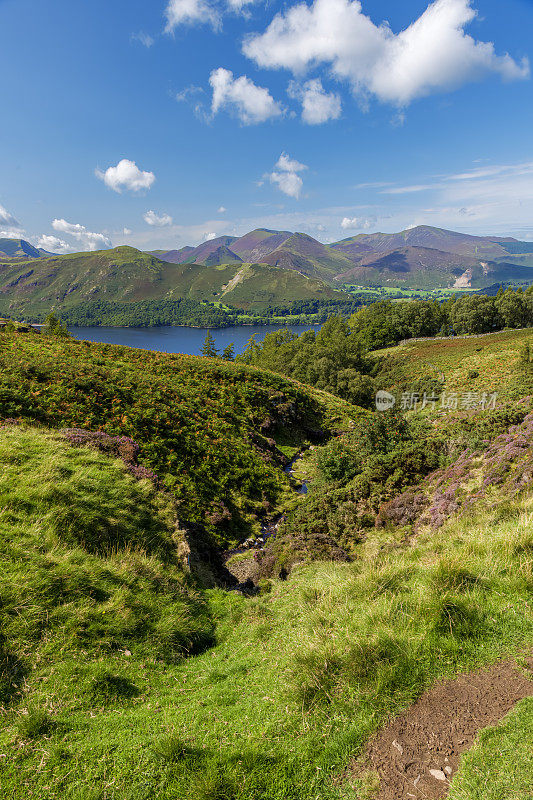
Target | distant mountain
(194,254)
(427,268)
(172,256)
(222,255)
(256,245)
(124,274)
(18,248)
(485,247)
(308,256)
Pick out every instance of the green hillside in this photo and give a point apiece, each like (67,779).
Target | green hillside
(125,275)
(280,692)
(207,428)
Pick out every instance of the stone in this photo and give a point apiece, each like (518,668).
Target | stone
(438,774)
(398,747)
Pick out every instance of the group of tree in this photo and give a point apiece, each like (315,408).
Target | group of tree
(209,349)
(195,313)
(336,358)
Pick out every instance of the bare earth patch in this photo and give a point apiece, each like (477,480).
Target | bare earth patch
(417,754)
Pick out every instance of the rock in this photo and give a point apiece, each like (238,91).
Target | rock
(398,747)
(438,774)
(448,770)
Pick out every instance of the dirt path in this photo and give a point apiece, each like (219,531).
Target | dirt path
(417,754)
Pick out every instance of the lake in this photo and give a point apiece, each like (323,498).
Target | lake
(168,339)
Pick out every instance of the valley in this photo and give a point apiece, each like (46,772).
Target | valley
(137,659)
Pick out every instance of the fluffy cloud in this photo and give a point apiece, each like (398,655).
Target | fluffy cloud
(222,210)
(9,220)
(358,223)
(285,175)
(318,106)
(251,103)
(207,237)
(88,239)
(433,54)
(158,221)
(126,175)
(127,232)
(190,12)
(54,244)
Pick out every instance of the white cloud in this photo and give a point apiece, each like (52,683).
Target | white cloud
(126,175)
(127,232)
(209,236)
(358,223)
(251,103)
(191,12)
(9,220)
(222,210)
(158,221)
(240,5)
(433,54)
(54,244)
(418,187)
(11,233)
(285,175)
(318,106)
(143,38)
(88,239)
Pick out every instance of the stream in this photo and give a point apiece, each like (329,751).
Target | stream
(270,528)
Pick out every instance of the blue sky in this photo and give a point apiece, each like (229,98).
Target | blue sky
(160,123)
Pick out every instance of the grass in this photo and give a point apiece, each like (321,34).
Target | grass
(499,766)
(201,424)
(493,356)
(298,679)
(89,567)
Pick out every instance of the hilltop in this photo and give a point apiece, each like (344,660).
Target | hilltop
(125,275)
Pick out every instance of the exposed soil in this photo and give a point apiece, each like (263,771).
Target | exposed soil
(417,754)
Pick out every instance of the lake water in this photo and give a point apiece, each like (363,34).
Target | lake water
(167,339)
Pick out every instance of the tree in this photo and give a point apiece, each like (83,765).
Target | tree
(228,353)
(209,350)
(54,327)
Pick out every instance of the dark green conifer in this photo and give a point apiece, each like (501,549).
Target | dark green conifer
(209,350)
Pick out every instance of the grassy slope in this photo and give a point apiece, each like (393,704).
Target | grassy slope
(500,764)
(127,275)
(89,562)
(298,680)
(193,418)
(494,356)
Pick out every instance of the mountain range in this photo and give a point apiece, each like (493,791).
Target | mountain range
(423,257)
(262,268)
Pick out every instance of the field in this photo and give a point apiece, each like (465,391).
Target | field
(494,357)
